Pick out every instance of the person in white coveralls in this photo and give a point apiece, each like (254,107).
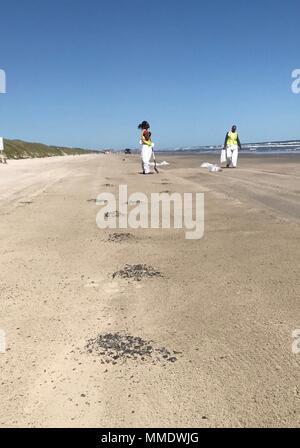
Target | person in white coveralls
(147,146)
(230,152)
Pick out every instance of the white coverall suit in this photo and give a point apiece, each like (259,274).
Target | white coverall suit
(146,154)
(230,153)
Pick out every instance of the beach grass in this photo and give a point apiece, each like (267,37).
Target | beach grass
(18,149)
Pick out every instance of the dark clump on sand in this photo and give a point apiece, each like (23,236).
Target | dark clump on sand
(119,237)
(121,347)
(115,214)
(137,272)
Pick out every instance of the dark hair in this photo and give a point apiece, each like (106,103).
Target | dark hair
(144,125)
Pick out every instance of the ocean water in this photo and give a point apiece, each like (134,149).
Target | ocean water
(286,147)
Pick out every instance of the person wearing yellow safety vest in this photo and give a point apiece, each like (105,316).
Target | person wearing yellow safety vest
(230,152)
(147,146)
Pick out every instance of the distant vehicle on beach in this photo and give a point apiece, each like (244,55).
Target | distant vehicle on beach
(128,151)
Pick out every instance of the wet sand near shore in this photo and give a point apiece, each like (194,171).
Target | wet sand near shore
(267,181)
(147,329)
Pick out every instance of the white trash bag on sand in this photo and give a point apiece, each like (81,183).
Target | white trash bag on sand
(215,169)
(206,165)
(212,168)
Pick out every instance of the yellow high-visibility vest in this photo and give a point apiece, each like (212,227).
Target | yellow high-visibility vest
(232,138)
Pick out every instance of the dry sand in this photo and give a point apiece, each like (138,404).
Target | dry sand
(229,302)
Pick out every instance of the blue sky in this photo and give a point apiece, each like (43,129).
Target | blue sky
(85,73)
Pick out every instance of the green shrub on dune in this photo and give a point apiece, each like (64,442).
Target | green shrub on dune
(18,149)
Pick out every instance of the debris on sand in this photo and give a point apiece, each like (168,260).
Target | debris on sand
(211,167)
(115,214)
(118,347)
(91,200)
(134,203)
(119,237)
(137,272)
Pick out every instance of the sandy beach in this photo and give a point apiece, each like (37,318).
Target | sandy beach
(224,306)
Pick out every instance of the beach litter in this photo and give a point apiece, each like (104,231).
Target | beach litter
(137,272)
(215,169)
(211,167)
(116,347)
